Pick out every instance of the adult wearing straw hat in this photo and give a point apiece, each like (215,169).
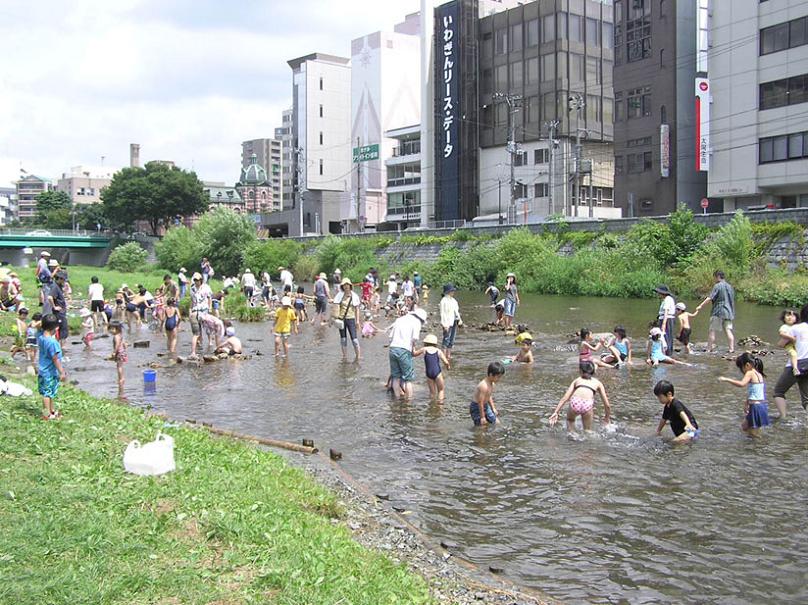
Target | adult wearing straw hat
(322,294)
(349,319)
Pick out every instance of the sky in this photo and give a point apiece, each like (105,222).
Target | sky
(187,79)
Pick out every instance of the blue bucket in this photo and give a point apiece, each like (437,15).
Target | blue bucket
(149,376)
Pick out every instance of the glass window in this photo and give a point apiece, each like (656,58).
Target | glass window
(780,148)
(502,114)
(592,70)
(547,68)
(619,107)
(795,146)
(516,37)
(533,110)
(592,32)
(576,67)
(646,102)
(773,39)
(766,151)
(541,156)
(548,28)
(618,11)
(561,65)
(618,164)
(797,35)
(516,75)
(774,94)
(548,106)
(633,163)
(647,161)
(576,23)
(501,78)
(798,89)
(608,35)
(487,81)
(608,110)
(501,41)
(532,28)
(592,109)
(487,49)
(532,71)
(561,31)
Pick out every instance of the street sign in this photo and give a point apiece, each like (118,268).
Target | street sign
(365,153)
(705,203)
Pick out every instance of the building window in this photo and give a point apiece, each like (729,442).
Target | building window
(548,68)
(788,91)
(487,49)
(533,110)
(520,190)
(501,41)
(561,29)
(783,147)
(618,164)
(576,23)
(592,109)
(592,32)
(516,75)
(321,167)
(619,107)
(639,8)
(487,81)
(541,156)
(576,67)
(639,102)
(638,39)
(644,141)
(532,71)
(618,11)
(501,78)
(321,111)
(541,190)
(516,37)
(519,158)
(618,44)
(532,28)
(321,83)
(639,162)
(784,35)
(607,35)
(593,70)
(548,28)
(502,114)
(321,138)
(608,110)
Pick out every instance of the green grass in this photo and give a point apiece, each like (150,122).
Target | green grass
(233,524)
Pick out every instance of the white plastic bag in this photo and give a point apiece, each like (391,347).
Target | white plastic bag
(13,389)
(154,458)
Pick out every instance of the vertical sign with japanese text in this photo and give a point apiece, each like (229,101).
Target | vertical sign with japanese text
(447,111)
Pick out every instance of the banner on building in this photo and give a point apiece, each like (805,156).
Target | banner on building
(665,150)
(703,124)
(447,111)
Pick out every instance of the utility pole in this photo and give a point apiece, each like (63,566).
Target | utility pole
(552,126)
(577,103)
(514,105)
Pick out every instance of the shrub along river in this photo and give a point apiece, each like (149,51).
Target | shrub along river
(617,517)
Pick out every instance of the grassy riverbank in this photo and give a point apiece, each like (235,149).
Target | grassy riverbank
(233,524)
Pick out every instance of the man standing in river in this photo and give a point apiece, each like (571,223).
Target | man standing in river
(404,333)
(723,314)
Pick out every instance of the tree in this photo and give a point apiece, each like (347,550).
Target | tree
(52,200)
(156,194)
(89,216)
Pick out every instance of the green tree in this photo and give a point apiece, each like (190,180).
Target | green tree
(156,194)
(127,257)
(89,216)
(52,200)
(223,235)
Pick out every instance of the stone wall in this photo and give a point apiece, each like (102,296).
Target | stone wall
(789,253)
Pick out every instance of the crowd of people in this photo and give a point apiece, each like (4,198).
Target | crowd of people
(401,301)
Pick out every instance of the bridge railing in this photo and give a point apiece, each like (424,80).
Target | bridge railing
(55,232)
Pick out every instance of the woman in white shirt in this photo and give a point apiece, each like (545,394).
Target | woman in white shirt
(348,304)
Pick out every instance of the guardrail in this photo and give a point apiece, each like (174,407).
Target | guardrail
(55,233)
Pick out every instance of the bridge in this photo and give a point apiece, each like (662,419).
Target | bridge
(53,238)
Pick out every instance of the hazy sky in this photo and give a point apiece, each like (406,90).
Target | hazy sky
(187,79)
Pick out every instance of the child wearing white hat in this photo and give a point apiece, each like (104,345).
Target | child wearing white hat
(433,357)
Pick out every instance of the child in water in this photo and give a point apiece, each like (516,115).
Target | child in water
(171,324)
(88,328)
(656,350)
(789,317)
(32,337)
(684,325)
(683,423)
(300,307)
(119,355)
(756,410)
(525,354)
(482,408)
(586,348)
(433,357)
(369,329)
(619,348)
(581,396)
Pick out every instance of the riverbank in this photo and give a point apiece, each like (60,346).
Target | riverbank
(233,524)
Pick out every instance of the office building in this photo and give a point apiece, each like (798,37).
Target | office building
(658,61)
(84,184)
(28,188)
(758,148)
(8,205)
(385,95)
(284,135)
(403,177)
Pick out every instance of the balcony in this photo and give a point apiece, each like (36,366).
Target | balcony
(407,148)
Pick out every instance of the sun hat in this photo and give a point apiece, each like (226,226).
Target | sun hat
(230,331)
(247,270)
(431,339)
(656,332)
(346,281)
(53,263)
(663,289)
(286,301)
(420,314)
(681,306)
(280,268)
(183,270)
(393,276)
(5,279)
(337,271)
(44,253)
(322,275)
(510,275)
(449,288)
(85,312)
(415,272)
(196,276)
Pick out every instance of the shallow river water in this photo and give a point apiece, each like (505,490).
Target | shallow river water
(616,517)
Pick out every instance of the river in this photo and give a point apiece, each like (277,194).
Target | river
(617,517)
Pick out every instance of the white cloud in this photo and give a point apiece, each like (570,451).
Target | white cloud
(187,80)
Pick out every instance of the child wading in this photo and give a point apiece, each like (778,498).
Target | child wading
(684,325)
(87,328)
(790,317)
(51,371)
(581,396)
(433,357)
(482,408)
(119,355)
(284,317)
(171,324)
(656,350)
(756,409)
(683,423)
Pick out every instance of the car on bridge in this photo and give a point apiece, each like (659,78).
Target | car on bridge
(40,233)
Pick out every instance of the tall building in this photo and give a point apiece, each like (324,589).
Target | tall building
(254,187)
(84,183)
(385,95)
(284,135)
(403,176)
(28,187)
(8,205)
(657,65)
(321,133)
(758,141)
(268,155)
(545,84)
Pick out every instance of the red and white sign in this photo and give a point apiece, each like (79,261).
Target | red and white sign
(705,203)
(702,124)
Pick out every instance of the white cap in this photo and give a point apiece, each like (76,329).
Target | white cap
(420,314)
(230,331)
(681,306)
(656,332)
(286,301)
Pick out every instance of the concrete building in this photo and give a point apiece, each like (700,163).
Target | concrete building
(545,73)
(284,135)
(656,66)
(8,205)
(84,183)
(385,95)
(27,188)
(403,177)
(758,132)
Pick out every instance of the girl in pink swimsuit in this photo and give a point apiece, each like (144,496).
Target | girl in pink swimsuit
(581,397)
